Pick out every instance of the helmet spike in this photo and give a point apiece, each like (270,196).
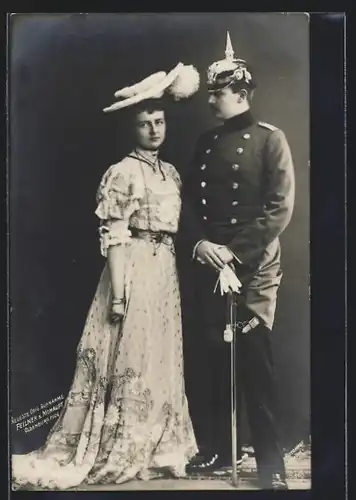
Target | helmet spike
(229,51)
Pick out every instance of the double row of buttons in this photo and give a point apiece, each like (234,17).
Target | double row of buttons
(234,203)
(232,221)
(235,185)
(235,166)
(239,151)
(245,136)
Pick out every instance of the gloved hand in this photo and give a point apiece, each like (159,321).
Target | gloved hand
(228,281)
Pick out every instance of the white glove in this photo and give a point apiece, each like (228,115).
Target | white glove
(228,281)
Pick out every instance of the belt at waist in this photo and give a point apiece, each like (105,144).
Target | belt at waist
(153,236)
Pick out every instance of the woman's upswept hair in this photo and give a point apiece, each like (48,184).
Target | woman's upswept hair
(149,105)
(127,118)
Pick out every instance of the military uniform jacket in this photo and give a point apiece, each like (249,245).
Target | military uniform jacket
(239,192)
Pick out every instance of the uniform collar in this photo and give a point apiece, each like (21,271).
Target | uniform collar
(239,122)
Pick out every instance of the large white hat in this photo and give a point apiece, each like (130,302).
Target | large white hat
(181,82)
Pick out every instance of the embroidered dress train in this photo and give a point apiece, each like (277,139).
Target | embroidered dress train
(126,412)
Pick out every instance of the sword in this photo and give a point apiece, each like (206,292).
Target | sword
(230,336)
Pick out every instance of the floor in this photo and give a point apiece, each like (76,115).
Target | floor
(298,468)
(188,484)
(298,471)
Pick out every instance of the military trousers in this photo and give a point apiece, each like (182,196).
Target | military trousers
(208,386)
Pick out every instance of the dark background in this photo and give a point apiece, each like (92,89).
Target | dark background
(64,69)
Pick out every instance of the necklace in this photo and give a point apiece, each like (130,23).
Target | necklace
(141,159)
(154,164)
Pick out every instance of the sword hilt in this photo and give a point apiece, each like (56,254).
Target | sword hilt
(230,317)
(228,334)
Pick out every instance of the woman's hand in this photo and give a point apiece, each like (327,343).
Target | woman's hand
(117,310)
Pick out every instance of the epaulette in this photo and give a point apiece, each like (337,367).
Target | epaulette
(267,125)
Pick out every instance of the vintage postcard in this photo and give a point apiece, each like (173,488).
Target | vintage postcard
(159,251)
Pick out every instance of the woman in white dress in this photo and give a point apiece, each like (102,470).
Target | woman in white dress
(126,415)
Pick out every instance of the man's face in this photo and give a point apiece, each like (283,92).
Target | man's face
(224,103)
(150,129)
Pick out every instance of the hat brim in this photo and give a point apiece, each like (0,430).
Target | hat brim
(155,90)
(141,86)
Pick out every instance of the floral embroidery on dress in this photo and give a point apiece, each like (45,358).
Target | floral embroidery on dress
(123,195)
(116,196)
(126,412)
(173,173)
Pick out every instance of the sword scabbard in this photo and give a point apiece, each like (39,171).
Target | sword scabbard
(232,331)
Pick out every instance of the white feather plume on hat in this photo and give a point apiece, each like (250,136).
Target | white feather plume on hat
(185,84)
(181,83)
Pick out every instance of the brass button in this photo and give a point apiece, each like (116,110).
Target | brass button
(205,217)
(234,203)
(208,151)
(235,185)
(203,184)
(235,166)
(239,151)
(233,221)
(216,136)
(246,136)
(203,167)
(203,201)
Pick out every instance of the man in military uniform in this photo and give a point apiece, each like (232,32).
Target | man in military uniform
(238,198)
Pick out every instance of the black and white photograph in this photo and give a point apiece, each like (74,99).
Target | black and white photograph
(159,259)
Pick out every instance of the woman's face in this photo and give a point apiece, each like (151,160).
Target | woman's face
(150,129)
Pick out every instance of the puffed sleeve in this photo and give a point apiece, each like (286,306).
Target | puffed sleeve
(174,174)
(117,199)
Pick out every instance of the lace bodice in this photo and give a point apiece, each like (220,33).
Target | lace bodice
(133,193)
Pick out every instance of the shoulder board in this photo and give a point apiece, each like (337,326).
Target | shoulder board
(267,125)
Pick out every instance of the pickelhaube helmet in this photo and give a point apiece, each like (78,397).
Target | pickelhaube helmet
(228,71)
